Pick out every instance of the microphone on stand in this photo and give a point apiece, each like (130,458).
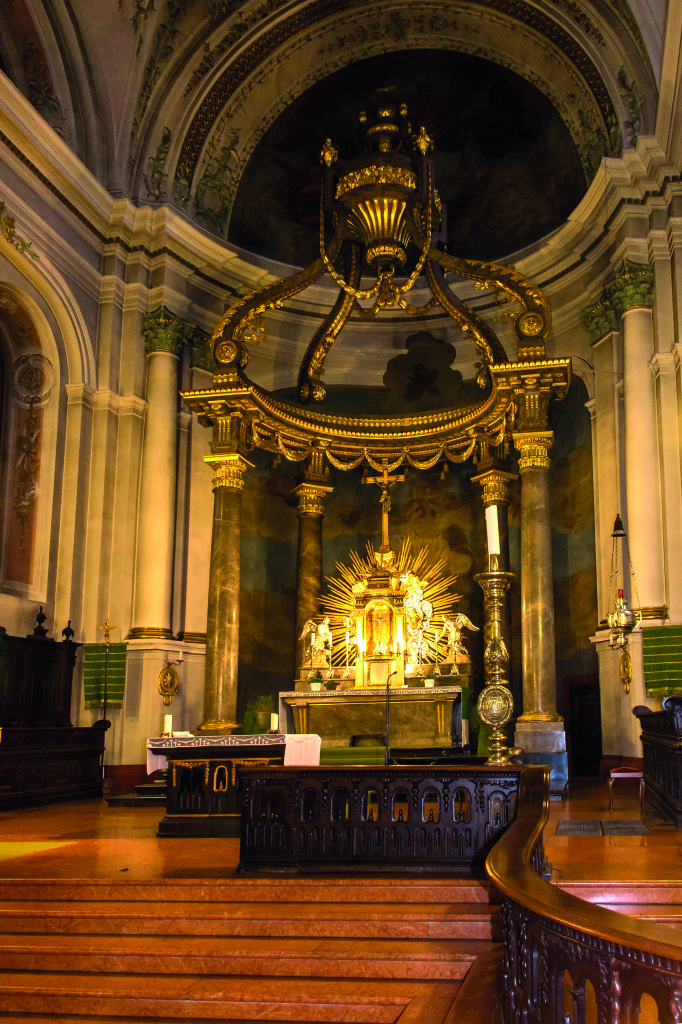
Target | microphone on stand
(395,673)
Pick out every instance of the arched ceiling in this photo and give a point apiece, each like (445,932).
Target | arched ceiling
(167,100)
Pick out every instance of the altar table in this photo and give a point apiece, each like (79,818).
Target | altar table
(203,776)
(418,716)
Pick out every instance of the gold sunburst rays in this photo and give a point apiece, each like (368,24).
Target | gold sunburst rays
(339,603)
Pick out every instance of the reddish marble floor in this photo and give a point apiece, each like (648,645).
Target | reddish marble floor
(106,842)
(605,858)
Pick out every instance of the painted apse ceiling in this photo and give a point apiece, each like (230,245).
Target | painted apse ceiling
(505,163)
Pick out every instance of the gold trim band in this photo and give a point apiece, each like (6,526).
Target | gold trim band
(150,633)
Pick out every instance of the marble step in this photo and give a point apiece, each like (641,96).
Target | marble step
(210,956)
(164,998)
(612,892)
(668,915)
(359,890)
(331,920)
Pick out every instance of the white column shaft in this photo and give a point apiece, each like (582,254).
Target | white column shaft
(156,514)
(642,472)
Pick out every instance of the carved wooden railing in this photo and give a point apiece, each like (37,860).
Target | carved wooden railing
(398,818)
(568,961)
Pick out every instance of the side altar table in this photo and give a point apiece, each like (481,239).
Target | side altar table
(203,776)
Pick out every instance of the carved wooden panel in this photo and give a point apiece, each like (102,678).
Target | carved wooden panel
(395,818)
(41,765)
(662,749)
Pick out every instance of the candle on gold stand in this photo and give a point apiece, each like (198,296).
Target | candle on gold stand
(495,702)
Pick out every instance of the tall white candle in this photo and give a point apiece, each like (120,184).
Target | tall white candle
(168,723)
(274,722)
(492,529)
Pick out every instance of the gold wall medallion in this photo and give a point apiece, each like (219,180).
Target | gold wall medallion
(168,682)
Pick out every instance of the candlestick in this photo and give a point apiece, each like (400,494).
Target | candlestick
(167,725)
(495,703)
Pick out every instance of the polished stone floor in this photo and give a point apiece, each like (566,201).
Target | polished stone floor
(88,839)
(283,949)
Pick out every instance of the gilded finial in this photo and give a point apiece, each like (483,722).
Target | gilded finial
(422,142)
(328,154)
(403,109)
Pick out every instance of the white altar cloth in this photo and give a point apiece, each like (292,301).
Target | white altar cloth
(299,750)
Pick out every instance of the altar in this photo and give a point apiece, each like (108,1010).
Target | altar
(418,716)
(388,620)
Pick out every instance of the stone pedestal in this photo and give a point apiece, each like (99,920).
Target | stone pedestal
(544,743)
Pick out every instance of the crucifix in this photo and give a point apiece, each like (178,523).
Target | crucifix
(385,481)
(107,627)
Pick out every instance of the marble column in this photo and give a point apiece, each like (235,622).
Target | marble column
(631,292)
(309,560)
(222,628)
(164,334)
(537,592)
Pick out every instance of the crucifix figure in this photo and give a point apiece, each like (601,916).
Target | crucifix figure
(385,481)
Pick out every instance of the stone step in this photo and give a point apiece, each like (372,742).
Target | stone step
(331,920)
(242,889)
(137,800)
(640,893)
(212,956)
(164,998)
(669,915)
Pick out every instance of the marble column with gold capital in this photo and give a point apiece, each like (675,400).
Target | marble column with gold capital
(631,292)
(537,591)
(222,627)
(310,496)
(164,334)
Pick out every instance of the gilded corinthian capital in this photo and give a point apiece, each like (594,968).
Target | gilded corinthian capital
(163,331)
(534,449)
(495,484)
(229,469)
(310,498)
